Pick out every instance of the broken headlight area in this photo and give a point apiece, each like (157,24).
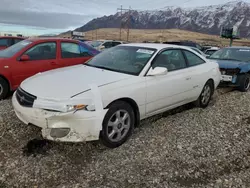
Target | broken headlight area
(231,72)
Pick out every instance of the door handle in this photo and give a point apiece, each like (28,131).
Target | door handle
(188,78)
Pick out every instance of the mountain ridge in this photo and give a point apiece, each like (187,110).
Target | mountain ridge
(206,19)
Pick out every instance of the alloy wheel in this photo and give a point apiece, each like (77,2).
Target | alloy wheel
(206,94)
(118,125)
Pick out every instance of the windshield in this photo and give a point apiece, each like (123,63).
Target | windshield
(197,50)
(237,54)
(12,50)
(124,59)
(210,52)
(96,43)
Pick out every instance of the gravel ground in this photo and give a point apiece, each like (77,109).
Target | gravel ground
(186,147)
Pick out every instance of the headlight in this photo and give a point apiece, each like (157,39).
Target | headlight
(70,108)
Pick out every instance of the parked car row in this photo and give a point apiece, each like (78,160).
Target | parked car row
(106,95)
(104,44)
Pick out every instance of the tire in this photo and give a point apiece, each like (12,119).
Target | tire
(206,95)
(4,88)
(116,131)
(244,83)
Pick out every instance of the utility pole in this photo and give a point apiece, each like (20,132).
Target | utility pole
(127,23)
(120,36)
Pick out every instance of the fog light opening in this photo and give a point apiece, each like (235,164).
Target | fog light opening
(59,132)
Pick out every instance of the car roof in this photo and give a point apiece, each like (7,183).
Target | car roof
(51,39)
(157,46)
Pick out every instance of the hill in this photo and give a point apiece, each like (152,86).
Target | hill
(139,35)
(207,19)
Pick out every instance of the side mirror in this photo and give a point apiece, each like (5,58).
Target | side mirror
(102,47)
(24,58)
(157,71)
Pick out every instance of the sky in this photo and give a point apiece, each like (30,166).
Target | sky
(34,17)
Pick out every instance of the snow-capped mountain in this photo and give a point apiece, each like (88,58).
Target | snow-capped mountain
(208,19)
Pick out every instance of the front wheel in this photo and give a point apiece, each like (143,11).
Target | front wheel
(4,88)
(205,95)
(244,82)
(118,124)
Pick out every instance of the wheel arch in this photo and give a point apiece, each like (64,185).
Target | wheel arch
(133,104)
(9,84)
(212,82)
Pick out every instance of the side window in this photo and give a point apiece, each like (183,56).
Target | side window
(84,51)
(171,59)
(107,44)
(42,51)
(193,59)
(115,43)
(3,42)
(73,50)
(17,40)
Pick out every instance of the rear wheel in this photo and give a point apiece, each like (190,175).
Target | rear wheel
(205,95)
(4,88)
(244,83)
(118,124)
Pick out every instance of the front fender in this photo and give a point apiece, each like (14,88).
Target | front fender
(245,69)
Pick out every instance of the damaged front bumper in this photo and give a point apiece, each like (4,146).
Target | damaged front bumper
(77,126)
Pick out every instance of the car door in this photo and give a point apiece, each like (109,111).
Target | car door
(41,57)
(73,53)
(171,89)
(199,69)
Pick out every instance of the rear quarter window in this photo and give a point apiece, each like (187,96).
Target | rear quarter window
(193,59)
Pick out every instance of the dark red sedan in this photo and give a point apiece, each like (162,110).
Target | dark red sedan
(31,56)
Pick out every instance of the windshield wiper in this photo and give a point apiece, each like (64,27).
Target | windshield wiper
(100,67)
(229,59)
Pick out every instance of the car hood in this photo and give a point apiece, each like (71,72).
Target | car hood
(229,64)
(66,82)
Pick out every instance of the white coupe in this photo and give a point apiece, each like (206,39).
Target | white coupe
(109,95)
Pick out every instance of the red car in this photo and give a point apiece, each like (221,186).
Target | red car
(32,56)
(7,41)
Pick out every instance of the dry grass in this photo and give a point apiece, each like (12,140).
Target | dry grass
(139,35)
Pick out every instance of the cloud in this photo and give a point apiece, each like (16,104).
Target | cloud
(46,20)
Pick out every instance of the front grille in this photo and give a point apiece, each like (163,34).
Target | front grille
(24,98)
(229,71)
